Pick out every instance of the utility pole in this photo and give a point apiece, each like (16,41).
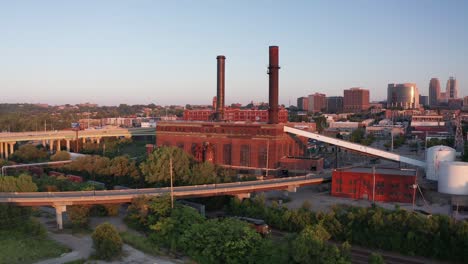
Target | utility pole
(415,185)
(373,185)
(268,154)
(172,187)
(392,140)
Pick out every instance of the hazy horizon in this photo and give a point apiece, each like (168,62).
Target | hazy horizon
(113,52)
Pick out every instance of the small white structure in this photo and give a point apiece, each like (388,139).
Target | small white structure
(435,155)
(453,178)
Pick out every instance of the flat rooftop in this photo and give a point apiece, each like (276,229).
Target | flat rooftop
(385,171)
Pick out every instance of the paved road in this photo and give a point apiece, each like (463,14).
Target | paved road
(81,247)
(119,196)
(68,134)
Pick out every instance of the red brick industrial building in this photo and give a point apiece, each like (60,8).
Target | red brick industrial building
(244,146)
(250,145)
(234,115)
(391,185)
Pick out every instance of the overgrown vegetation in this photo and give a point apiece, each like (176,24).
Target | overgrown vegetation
(227,240)
(29,153)
(359,136)
(22,238)
(436,237)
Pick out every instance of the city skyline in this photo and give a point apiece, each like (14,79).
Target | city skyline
(115,52)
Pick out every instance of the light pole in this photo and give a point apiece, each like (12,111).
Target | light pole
(172,187)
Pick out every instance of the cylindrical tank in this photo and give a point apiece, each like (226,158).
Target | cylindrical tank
(453,177)
(435,155)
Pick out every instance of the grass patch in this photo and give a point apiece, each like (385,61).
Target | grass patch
(18,248)
(141,243)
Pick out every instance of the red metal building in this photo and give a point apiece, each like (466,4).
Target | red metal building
(385,185)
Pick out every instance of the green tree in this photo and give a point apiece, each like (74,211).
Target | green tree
(310,247)
(29,153)
(320,122)
(107,241)
(22,183)
(122,166)
(78,215)
(12,215)
(222,241)
(169,230)
(60,155)
(203,173)
(376,258)
(156,167)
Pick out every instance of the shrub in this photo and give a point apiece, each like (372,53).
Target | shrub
(107,241)
(78,215)
(375,258)
(60,155)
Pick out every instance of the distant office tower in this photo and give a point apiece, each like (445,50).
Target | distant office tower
(404,95)
(423,99)
(465,103)
(303,103)
(356,100)
(452,89)
(317,102)
(455,104)
(434,92)
(443,98)
(334,104)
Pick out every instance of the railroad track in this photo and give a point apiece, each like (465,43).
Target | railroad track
(361,256)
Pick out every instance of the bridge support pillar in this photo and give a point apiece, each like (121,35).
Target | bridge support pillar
(292,188)
(84,140)
(98,140)
(68,145)
(242,196)
(5,150)
(12,147)
(51,145)
(44,144)
(59,210)
(59,146)
(1,150)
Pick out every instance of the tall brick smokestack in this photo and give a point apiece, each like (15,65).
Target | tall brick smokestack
(220,88)
(273,70)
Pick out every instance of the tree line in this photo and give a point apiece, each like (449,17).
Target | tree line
(182,229)
(438,237)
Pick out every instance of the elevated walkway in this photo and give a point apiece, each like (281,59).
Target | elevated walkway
(356,147)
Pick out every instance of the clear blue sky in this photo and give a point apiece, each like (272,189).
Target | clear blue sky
(164,52)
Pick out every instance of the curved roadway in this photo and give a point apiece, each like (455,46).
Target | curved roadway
(122,196)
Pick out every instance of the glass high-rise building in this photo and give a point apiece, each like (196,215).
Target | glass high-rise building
(404,96)
(434,92)
(452,88)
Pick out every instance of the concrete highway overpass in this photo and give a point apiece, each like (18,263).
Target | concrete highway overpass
(60,200)
(55,138)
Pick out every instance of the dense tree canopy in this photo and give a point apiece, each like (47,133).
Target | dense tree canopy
(22,183)
(29,153)
(157,168)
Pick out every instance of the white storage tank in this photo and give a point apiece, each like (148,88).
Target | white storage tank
(435,155)
(453,177)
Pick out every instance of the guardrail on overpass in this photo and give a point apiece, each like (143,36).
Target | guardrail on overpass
(60,200)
